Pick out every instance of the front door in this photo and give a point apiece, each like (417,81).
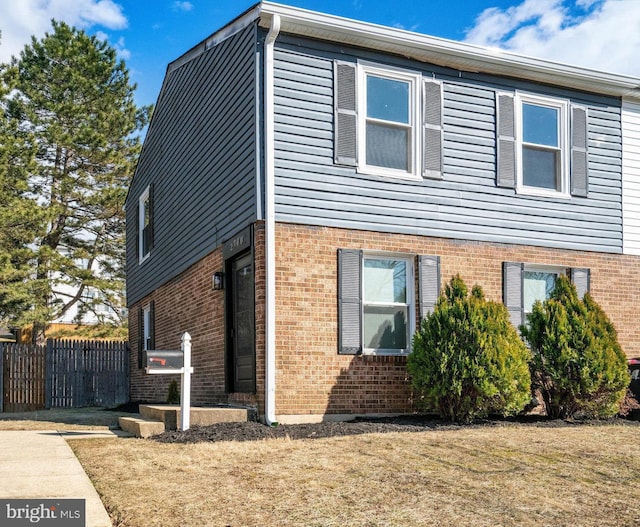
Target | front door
(242,373)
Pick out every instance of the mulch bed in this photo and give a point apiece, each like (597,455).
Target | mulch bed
(252,431)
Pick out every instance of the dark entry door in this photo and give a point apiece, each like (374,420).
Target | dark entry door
(242,325)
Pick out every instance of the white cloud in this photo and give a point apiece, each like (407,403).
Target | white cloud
(598,34)
(19,20)
(182,6)
(121,49)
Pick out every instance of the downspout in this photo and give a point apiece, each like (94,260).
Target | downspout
(269,226)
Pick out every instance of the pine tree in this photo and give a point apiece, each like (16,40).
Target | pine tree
(19,216)
(74,101)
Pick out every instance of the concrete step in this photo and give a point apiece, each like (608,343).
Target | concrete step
(199,416)
(140,427)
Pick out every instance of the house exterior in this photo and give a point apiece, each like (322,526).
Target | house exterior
(308,182)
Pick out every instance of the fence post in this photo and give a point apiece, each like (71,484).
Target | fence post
(185,384)
(48,375)
(1,378)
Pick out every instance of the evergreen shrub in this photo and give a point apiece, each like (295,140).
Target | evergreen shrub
(468,360)
(577,363)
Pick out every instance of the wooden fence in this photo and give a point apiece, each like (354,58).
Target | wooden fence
(63,374)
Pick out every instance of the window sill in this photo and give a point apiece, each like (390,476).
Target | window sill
(144,258)
(393,174)
(541,193)
(385,353)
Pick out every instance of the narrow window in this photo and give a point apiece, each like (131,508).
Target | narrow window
(146,328)
(146,331)
(145,224)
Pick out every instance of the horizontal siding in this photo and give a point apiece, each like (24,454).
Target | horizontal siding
(466,203)
(631,177)
(200,153)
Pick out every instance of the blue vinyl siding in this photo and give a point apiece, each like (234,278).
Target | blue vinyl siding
(201,155)
(466,203)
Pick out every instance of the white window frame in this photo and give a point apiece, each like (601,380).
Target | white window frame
(414,126)
(143,204)
(562,105)
(146,326)
(411,301)
(539,268)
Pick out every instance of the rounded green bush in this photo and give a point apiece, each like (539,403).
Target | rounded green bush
(468,360)
(577,363)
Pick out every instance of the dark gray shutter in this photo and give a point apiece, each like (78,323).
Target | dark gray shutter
(581,278)
(152,325)
(345,113)
(429,283)
(512,291)
(349,302)
(140,337)
(432,129)
(579,145)
(506,140)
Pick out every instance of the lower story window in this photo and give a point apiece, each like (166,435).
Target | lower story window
(525,283)
(377,299)
(386,303)
(537,284)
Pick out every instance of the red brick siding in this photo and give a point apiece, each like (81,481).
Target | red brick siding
(311,378)
(186,303)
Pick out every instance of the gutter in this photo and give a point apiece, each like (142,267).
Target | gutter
(446,53)
(270,225)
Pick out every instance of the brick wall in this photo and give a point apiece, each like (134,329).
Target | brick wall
(186,303)
(312,380)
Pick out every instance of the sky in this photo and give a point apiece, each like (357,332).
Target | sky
(597,34)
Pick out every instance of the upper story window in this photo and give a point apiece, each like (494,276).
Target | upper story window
(542,145)
(388,122)
(145,224)
(543,157)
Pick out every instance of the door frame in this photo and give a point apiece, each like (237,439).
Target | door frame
(234,249)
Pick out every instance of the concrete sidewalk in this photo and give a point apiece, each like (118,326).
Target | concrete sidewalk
(40,464)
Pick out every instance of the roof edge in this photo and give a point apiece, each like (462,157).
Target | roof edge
(448,53)
(225,32)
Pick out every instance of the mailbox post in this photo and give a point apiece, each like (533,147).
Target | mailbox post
(165,362)
(185,384)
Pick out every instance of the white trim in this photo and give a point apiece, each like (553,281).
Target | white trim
(414,126)
(562,105)
(270,225)
(144,197)
(448,53)
(630,177)
(411,300)
(233,27)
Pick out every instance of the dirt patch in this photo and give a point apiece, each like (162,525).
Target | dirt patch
(61,419)
(252,431)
